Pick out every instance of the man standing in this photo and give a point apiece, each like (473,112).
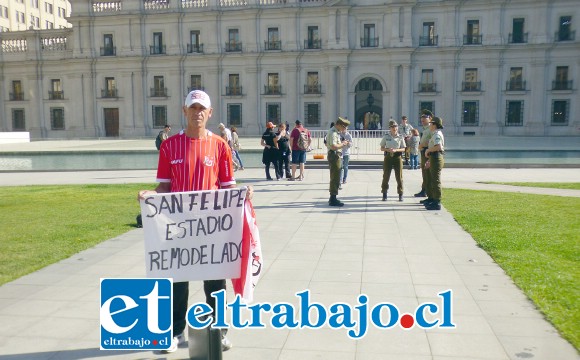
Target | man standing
(335,146)
(435,152)
(300,141)
(426,117)
(405,130)
(393,145)
(193,160)
(162,136)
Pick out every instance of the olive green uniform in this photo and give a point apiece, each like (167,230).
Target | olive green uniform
(334,159)
(423,144)
(436,162)
(392,161)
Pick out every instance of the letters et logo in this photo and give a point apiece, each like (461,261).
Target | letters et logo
(136,314)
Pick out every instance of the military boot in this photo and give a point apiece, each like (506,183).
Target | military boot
(384,196)
(426,201)
(333,201)
(421,193)
(434,205)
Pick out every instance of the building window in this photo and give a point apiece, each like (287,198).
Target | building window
(312,85)
(234,43)
(273,112)
(470,116)
(49,25)
(518,36)
(273,42)
(158,89)
(516,82)
(158,47)
(17,93)
(312,114)
(426,105)
(195,45)
(514,113)
(427,84)
(159,116)
(565,32)
(34,3)
(560,110)
(473,36)
(57,118)
(471,83)
(195,83)
(313,41)
(48,7)
(235,114)
(428,38)
(562,82)
(18,123)
(4,12)
(34,21)
(20,17)
(273,87)
(233,87)
(61,12)
(369,38)
(55,92)
(108,48)
(110,90)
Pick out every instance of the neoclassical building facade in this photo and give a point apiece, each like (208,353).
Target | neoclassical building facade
(487,67)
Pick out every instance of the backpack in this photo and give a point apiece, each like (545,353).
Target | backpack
(302,142)
(158,141)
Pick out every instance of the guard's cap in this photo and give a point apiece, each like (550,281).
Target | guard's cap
(342,121)
(392,123)
(426,113)
(437,122)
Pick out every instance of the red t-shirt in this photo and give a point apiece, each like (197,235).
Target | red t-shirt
(195,164)
(295,134)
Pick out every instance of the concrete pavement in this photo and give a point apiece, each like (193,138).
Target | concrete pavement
(393,252)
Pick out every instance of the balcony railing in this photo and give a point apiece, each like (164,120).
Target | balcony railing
(191,88)
(55,95)
(194,48)
(518,38)
(232,46)
(428,40)
(312,44)
(157,50)
(472,39)
(369,42)
(109,51)
(109,93)
(158,92)
(17,96)
(565,35)
(471,86)
(515,85)
(273,45)
(272,89)
(312,89)
(562,85)
(233,90)
(428,87)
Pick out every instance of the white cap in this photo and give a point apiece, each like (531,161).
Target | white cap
(198,96)
(221,126)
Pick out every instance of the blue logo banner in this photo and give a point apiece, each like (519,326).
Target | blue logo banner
(136,314)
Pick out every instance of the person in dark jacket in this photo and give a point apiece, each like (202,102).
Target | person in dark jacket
(270,154)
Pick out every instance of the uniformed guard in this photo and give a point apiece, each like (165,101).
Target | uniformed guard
(405,130)
(426,116)
(435,153)
(335,145)
(393,145)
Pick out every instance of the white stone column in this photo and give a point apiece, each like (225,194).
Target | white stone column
(406,92)
(343,90)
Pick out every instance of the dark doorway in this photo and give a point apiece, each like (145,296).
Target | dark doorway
(111,122)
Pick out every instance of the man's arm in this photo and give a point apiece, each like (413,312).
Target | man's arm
(162,187)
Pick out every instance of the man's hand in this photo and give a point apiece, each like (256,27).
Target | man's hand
(144,193)
(249,192)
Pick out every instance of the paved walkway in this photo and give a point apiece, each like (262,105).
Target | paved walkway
(393,252)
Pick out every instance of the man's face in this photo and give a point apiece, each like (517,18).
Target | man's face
(425,120)
(197,115)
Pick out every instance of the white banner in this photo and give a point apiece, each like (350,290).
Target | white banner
(194,235)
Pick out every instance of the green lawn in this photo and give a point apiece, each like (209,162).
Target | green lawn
(41,225)
(571,186)
(535,239)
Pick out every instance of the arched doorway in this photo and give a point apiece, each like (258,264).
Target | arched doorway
(368,104)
